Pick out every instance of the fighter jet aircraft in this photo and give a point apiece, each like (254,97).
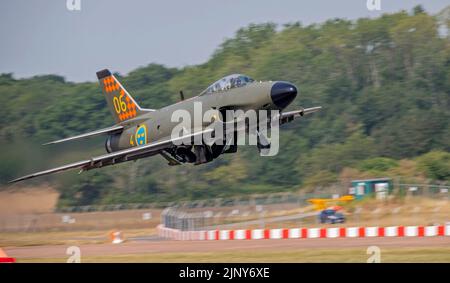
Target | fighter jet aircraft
(141,132)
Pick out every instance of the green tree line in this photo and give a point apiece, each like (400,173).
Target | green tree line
(384,85)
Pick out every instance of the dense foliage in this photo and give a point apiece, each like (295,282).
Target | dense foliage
(384,85)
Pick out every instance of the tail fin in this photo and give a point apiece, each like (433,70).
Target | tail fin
(122,106)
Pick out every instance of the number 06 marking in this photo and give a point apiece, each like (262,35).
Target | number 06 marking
(119,105)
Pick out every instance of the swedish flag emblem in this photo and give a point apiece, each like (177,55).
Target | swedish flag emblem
(141,135)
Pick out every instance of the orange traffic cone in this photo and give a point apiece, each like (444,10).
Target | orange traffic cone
(4,257)
(116,237)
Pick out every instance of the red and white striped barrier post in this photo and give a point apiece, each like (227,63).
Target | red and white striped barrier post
(306,233)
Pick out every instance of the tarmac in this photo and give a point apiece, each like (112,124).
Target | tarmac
(160,246)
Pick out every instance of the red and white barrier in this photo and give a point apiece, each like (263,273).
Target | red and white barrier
(4,258)
(306,233)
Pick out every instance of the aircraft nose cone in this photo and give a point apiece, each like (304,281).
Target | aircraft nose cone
(283,93)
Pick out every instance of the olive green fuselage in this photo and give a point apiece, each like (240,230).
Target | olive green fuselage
(159,125)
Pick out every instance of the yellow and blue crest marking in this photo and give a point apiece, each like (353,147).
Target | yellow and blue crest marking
(141,135)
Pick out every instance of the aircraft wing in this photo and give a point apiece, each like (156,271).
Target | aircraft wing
(118,156)
(287,117)
(109,130)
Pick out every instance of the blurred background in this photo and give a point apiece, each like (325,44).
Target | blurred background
(382,77)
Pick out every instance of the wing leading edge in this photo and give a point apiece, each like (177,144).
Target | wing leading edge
(109,130)
(287,117)
(116,157)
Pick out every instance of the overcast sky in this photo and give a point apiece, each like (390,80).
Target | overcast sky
(44,37)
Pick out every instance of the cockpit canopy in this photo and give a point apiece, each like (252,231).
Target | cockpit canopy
(228,82)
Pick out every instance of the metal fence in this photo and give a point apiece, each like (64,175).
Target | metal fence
(248,211)
(431,190)
(181,220)
(261,210)
(254,199)
(425,190)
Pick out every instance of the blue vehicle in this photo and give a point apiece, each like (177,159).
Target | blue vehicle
(331,216)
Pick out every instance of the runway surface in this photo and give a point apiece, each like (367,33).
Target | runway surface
(166,246)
